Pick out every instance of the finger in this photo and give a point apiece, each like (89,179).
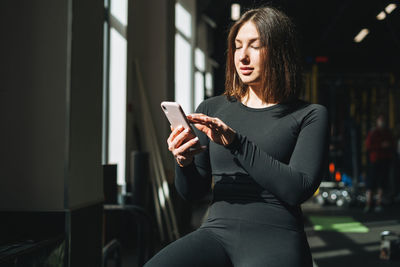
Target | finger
(180,160)
(193,119)
(172,128)
(189,154)
(174,134)
(218,124)
(197,117)
(214,122)
(176,131)
(178,140)
(203,128)
(183,149)
(194,115)
(199,126)
(204,121)
(197,121)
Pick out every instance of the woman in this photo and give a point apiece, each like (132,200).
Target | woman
(264,148)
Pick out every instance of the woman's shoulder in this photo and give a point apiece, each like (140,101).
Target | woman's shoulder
(317,108)
(305,106)
(302,110)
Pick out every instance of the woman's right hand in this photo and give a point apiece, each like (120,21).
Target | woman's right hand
(182,143)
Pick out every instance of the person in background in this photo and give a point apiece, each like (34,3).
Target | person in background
(380,148)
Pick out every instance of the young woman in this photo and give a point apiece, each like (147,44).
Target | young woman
(264,148)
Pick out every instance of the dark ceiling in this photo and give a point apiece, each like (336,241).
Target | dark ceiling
(326,28)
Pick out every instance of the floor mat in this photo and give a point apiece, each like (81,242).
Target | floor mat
(337,223)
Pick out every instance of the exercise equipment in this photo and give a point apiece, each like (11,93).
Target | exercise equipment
(334,193)
(390,246)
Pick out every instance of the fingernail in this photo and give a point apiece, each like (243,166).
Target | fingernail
(186,130)
(196,139)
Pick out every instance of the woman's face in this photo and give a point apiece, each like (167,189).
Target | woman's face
(247,54)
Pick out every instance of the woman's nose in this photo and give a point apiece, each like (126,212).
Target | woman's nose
(243,55)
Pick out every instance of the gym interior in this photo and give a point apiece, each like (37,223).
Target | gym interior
(87,178)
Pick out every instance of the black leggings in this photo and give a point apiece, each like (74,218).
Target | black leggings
(233,242)
(379,174)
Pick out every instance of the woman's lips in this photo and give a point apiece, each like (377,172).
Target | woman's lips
(246,70)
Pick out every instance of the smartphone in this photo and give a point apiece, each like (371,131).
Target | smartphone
(176,117)
(175,114)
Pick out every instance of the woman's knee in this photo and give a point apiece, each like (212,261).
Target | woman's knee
(198,248)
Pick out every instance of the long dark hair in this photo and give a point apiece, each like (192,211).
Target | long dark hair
(282,78)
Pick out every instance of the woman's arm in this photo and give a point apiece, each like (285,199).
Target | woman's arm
(295,182)
(193,181)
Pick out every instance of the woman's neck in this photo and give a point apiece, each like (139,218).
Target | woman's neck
(255,99)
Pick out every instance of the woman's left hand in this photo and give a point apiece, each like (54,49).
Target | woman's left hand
(214,128)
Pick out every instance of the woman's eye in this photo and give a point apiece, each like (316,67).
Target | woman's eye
(255,46)
(238,47)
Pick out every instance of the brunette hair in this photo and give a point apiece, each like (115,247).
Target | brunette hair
(281,78)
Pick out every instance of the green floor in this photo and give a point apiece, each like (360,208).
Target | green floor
(342,224)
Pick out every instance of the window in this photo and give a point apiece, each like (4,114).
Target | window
(183,73)
(183,58)
(200,65)
(114,123)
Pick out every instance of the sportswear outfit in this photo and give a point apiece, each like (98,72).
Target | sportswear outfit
(274,164)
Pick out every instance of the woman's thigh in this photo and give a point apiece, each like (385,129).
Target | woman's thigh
(199,248)
(262,245)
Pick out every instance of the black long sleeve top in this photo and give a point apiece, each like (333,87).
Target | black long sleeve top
(276,159)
